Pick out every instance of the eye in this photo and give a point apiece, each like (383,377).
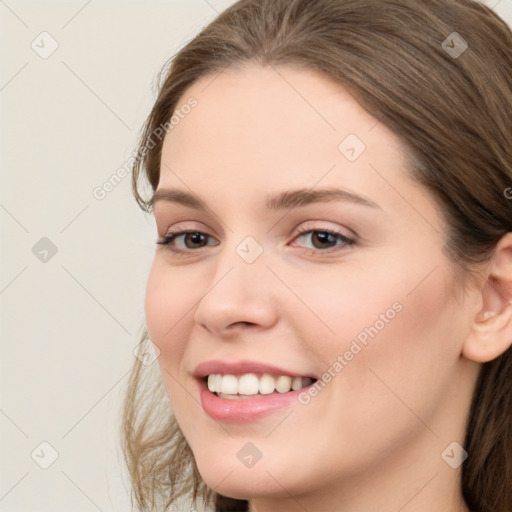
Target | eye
(197,240)
(325,240)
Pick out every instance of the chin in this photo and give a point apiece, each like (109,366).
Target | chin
(234,480)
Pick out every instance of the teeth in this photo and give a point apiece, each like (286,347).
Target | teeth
(266,384)
(283,384)
(211,382)
(296,383)
(218,382)
(229,386)
(248,384)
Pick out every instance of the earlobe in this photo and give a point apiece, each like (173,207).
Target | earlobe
(491,329)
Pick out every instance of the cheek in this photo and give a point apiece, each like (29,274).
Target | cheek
(168,309)
(398,341)
(405,364)
(341,306)
(169,306)
(402,308)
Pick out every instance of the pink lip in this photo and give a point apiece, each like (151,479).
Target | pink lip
(245,409)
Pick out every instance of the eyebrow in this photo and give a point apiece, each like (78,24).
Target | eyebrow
(284,200)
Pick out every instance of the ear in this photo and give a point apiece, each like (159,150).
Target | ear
(491,328)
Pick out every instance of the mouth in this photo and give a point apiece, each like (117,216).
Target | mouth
(247,391)
(251,385)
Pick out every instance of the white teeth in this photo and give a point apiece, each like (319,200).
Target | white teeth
(217,383)
(249,384)
(283,384)
(229,385)
(296,383)
(266,384)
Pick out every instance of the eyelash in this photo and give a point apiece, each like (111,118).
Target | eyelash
(167,240)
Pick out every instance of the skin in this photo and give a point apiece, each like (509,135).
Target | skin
(372,438)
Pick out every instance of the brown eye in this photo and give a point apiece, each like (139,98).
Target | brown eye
(191,240)
(325,240)
(196,238)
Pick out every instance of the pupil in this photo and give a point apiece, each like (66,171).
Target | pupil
(196,238)
(325,238)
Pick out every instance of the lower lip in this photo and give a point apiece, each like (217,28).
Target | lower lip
(245,410)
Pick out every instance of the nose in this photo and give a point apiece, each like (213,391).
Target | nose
(240,296)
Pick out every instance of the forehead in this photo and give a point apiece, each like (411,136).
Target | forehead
(259,128)
(280,106)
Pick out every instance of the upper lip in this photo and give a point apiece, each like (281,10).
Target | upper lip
(242,367)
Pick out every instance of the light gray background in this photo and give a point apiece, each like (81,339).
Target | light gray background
(69,325)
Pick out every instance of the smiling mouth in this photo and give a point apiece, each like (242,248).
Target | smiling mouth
(252,385)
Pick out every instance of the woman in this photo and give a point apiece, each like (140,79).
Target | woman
(330,294)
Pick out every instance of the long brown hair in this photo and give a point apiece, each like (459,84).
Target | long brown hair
(438,73)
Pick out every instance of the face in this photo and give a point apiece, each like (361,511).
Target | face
(345,283)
